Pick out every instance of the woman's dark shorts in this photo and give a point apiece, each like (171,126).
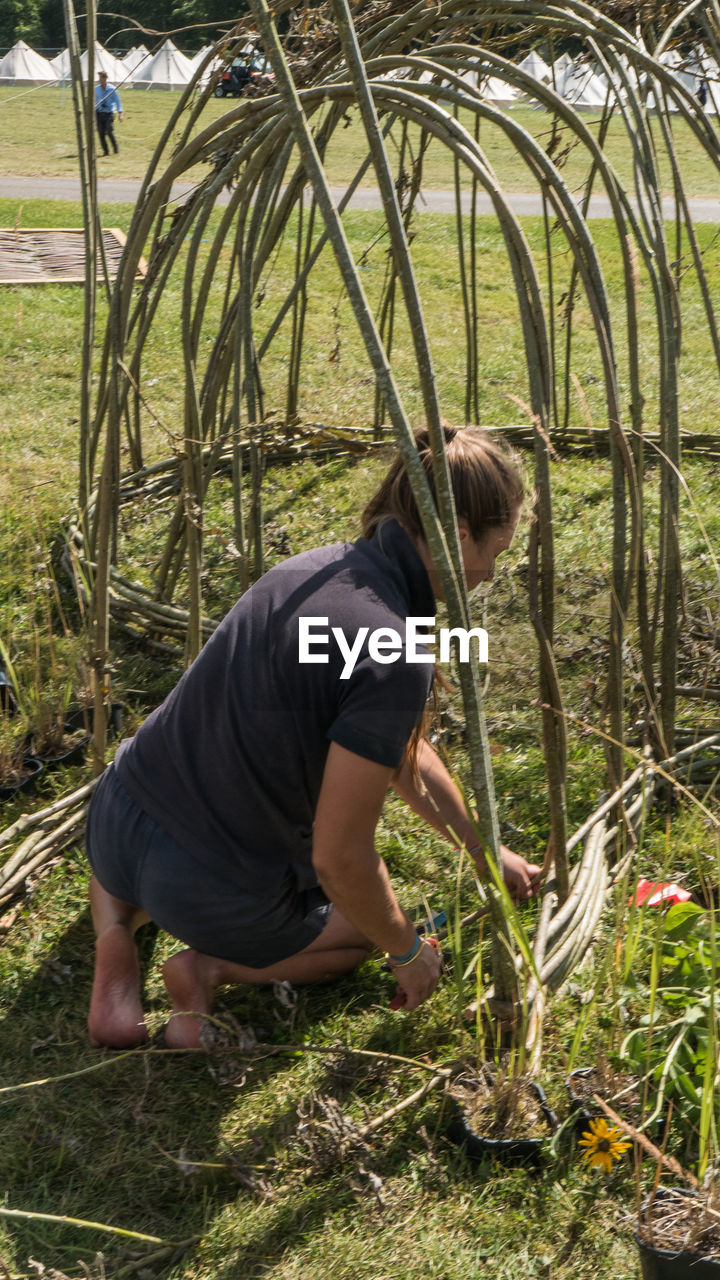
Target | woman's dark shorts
(137,861)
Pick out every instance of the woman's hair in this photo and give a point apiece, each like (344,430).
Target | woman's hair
(485,477)
(488,489)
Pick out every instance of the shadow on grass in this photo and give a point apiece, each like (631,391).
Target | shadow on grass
(233,1150)
(112,1144)
(153,1141)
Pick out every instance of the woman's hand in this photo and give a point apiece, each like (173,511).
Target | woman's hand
(418,979)
(521,878)
(440,804)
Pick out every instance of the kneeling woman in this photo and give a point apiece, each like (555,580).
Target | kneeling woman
(241,817)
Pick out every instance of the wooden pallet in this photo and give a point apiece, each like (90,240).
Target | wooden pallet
(55,255)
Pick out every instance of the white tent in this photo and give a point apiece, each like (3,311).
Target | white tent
(640,80)
(704,67)
(496,90)
(470,76)
(560,69)
(198,57)
(680,66)
(631,72)
(688,75)
(104,61)
(135,57)
(673,59)
(534,65)
(493,88)
(168,69)
(212,65)
(692,72)
(61,65)
(427,77)
(397,73)
(21,65)
(581,86)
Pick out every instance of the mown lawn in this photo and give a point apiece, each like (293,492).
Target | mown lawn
(38,133)
(242,1157)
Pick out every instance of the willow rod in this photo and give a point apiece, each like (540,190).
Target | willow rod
(447,560)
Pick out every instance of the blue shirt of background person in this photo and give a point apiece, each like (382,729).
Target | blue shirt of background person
(107,98)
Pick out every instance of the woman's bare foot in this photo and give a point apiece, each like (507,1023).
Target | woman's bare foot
(116,1018)
(189,982)
(192,978)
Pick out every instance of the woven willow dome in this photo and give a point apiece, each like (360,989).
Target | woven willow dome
(415,74)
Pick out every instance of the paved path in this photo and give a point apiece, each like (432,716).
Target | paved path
(125,191)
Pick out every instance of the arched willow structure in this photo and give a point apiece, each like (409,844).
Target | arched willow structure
(414,74)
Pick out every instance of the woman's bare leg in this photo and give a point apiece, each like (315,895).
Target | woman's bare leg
(116,1017)
(192,978)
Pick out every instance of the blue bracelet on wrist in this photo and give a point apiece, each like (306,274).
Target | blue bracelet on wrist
(409,955)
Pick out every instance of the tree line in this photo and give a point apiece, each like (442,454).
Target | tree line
(192,23)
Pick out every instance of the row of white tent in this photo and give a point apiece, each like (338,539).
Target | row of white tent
(587,88)
(168,68)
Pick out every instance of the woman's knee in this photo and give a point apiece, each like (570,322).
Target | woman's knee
(339,935)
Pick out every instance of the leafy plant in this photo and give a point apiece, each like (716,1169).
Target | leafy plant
(43,662)
(42,700)
(50,708)
(11,753)
(499,1104)
(675,1044)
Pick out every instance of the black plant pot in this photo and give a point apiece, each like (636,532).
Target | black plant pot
(584,1113)
(529,1152)
(8,702)
(663,1264)
(34,768)
(578,1106)
(576,1099)
(73,755)
(84,718)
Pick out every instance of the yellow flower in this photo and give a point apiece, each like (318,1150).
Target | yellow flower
(604,1143)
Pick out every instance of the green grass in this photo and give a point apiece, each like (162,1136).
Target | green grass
(40,330)
(129,1145)
(39,139)
(237,1149)
(231,1150)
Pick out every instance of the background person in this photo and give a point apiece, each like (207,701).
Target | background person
(241,817)
(107,102)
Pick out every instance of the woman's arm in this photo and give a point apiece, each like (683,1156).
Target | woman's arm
(352,873)
(442,807)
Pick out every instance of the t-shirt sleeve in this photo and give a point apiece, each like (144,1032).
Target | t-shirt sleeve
(380,708)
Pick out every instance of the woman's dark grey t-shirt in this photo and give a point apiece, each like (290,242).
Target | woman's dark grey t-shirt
(232,762)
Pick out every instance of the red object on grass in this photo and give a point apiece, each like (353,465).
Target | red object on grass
(655,893)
